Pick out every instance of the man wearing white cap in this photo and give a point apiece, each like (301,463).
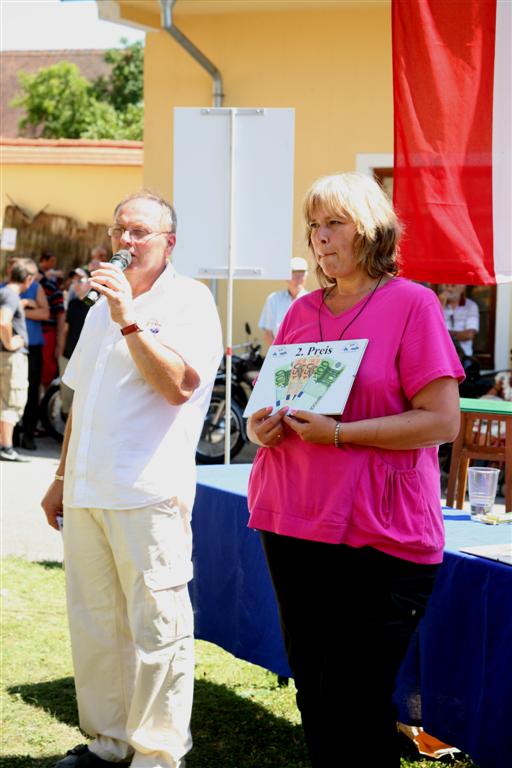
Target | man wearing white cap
(278,303)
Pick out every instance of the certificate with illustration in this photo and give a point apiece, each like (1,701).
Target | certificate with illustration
(314,377)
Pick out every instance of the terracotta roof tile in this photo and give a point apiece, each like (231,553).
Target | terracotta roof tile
(7,141)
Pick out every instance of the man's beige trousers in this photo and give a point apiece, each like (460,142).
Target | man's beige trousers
(131,628)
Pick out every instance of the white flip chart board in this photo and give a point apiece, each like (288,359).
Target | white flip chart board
(233,191)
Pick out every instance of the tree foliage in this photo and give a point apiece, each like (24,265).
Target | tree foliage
(59,102)
(56,101)
(124,86)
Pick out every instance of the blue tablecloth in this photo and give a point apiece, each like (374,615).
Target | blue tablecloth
(460,660)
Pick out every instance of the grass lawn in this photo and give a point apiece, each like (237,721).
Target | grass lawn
(242,719)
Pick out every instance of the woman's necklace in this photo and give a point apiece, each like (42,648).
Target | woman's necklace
(324,297)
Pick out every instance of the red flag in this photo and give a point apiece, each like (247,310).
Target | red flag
(452,151)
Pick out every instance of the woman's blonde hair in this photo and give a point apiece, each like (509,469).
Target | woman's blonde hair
(360,198)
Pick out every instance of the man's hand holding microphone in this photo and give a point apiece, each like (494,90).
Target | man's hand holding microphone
(109,281)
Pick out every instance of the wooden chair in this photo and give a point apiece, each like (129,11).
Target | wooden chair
(485,433)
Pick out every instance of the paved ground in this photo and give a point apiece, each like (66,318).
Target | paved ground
(24,530)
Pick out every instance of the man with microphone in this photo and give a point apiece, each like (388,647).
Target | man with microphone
(142,374)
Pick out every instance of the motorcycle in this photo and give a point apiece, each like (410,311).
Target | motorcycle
(51,416)
(210,450)
(244,370)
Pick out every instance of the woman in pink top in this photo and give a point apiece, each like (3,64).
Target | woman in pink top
(349,506)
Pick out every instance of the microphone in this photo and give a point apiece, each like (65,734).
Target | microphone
(122,259)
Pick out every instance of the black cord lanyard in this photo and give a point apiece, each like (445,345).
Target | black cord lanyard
(353,319)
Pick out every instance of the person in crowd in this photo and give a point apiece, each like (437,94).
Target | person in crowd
(58,276)
(35,307)
(502,387)
(142,374)
(278,303)
(13,354)
(348,505)
(75,276)
(47,264)
(53,328)
(461,316)
(98,254)
(76,313)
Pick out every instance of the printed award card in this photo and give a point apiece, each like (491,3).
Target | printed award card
(313,377)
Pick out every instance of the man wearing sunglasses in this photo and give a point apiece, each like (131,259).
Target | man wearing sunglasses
(142,374)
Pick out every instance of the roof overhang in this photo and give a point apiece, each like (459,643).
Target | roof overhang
(145,14)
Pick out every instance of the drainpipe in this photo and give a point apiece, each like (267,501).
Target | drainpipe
(188,45)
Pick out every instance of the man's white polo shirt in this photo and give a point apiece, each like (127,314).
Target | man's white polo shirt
(463,317)
(275,308)
(129,447)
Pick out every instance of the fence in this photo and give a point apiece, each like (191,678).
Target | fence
(61,235)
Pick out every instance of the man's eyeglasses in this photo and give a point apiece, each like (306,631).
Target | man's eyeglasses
(136,235)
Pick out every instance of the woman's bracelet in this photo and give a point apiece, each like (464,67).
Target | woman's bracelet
(337,431)
(59,477)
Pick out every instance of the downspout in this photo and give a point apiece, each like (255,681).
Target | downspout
(188,45)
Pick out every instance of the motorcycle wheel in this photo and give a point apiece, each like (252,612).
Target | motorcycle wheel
(50,411)
(210,449)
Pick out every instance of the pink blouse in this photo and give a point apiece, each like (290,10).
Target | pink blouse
(358,495)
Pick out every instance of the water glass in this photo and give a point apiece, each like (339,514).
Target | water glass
(483,484)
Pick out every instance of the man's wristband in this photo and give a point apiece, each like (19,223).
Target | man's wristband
(337,433)
(59,477)
(133,328)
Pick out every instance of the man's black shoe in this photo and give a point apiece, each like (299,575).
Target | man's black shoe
(72,755)
(90,760)
(81,757)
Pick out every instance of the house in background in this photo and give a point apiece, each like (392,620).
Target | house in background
(90,63)
(330,60)
(76,181)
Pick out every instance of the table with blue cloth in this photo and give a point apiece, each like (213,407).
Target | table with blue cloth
(460,660)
